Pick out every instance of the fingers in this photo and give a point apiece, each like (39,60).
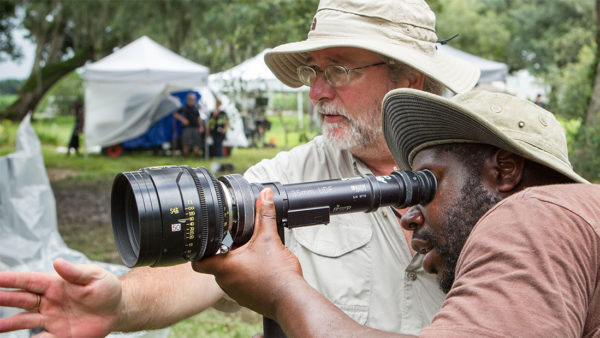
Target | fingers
(78,274)
(21,321)
(266,221)
(19,299)
(35,282)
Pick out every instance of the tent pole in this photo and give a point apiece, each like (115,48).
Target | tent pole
(299,105)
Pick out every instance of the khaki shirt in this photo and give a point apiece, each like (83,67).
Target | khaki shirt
(359,261)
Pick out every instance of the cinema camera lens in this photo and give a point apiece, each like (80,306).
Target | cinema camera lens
(168,215)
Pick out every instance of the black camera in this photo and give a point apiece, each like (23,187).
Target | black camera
(172,214)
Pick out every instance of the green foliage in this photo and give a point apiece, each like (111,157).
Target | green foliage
(284,101)
(10,86)
(214,324)
(7,100)
(531,34)
(59,99)
(8,49)
(219,34)
(572,85)
(7,135)
(56,70)
(554,40)
(481,29)
(233,31)
(584,155)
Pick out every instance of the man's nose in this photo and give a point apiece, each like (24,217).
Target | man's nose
(412,219)
(321,89)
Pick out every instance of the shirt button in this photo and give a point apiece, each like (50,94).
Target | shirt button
(412,275)
(384,212)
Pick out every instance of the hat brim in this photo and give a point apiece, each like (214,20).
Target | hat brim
(457,75)
(414,120)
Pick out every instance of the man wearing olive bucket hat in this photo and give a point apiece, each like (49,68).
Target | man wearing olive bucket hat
(355,52)
(513,233)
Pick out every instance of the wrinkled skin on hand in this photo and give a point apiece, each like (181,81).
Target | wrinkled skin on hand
(257,273)
(80,301)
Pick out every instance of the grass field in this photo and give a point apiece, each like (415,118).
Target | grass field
(7,99)
(82,186)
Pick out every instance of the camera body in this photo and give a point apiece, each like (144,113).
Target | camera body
(173,214)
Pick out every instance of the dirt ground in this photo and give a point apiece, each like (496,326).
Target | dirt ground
(83,212)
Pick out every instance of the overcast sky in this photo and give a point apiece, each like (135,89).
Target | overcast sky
(19,70)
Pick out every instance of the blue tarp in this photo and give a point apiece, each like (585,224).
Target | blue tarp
(162,131)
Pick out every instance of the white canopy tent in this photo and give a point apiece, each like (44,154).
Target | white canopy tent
(253,75)
(235,135)
(490,70)
(124,89)
(250,75)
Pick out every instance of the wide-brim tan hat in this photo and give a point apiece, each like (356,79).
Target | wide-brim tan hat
(414,120)
(403,30)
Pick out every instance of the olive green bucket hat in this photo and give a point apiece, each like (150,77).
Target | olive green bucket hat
(403,30)
(414,120)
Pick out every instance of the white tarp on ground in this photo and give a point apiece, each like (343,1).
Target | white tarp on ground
(490,70)
(29,237)
(123,88)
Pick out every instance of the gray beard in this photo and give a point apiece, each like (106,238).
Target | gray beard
(361,133)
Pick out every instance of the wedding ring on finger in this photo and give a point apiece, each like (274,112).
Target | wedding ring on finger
(36,308)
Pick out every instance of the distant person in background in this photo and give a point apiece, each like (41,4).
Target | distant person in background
(193,126)
(218,123)
(77,128)
(538,101)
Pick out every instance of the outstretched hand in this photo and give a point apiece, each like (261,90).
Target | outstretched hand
(83,300)
(256,273)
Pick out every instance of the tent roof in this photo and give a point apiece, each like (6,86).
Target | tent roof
(144,60)
(490,70)
(252,74)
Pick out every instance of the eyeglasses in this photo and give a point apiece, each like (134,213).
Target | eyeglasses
(335,75)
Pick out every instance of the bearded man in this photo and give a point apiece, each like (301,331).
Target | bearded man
(356,51)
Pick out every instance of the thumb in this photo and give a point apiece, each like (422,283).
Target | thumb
(266,222)
(78,273)
(210,265)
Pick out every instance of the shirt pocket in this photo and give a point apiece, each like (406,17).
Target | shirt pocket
(336,259)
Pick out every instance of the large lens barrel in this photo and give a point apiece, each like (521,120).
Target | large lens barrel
(169,215)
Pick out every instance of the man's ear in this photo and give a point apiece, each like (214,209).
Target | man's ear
(505,170)
(416,80)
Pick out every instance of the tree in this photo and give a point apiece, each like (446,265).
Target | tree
(215,33)
(7,25)
(593,113)
(67,34)
(551,39)
(587,142)
(9,86)
(233,31)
